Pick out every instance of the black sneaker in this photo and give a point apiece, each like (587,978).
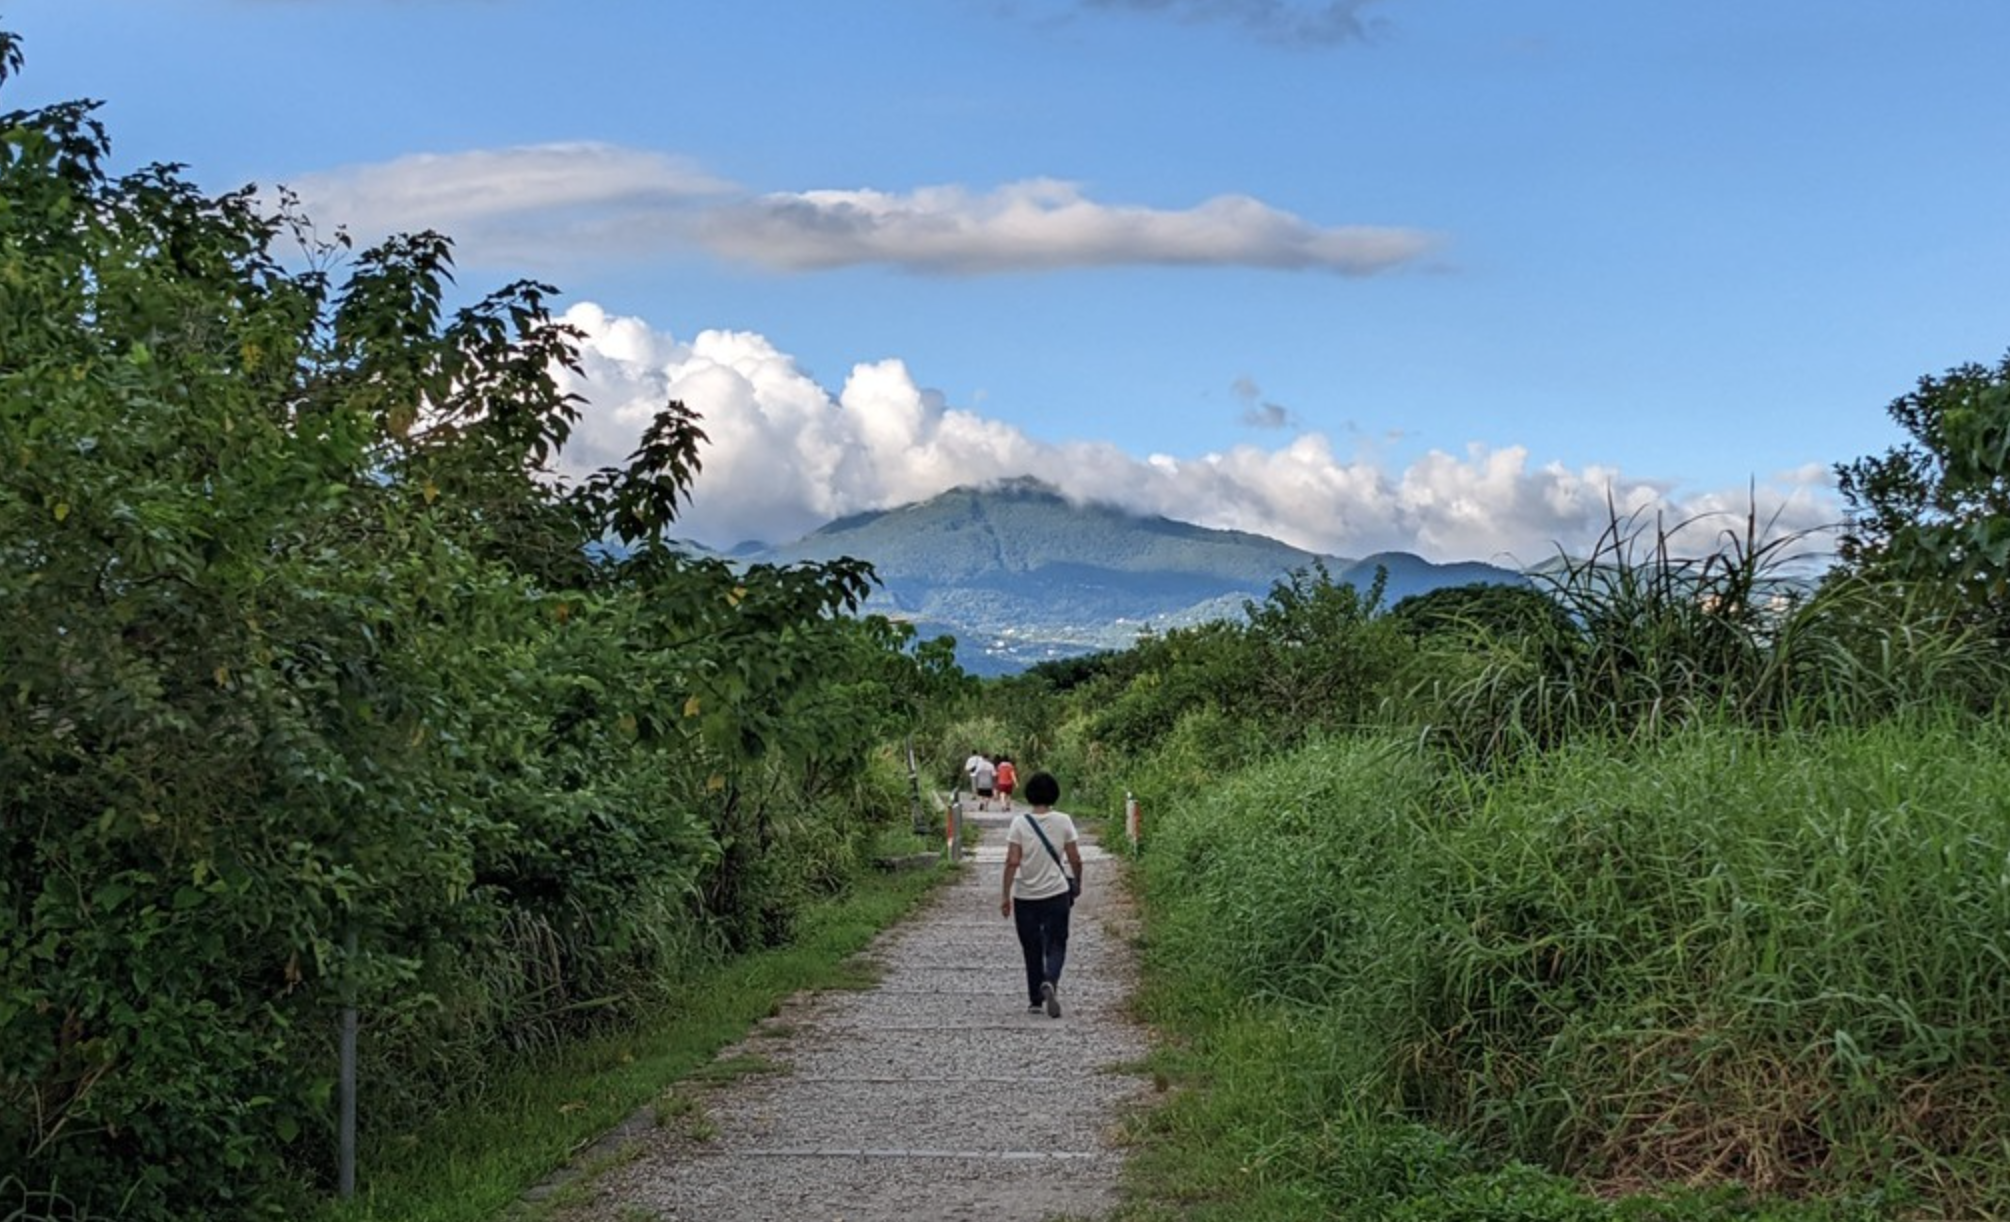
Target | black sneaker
(1034,1008)
(1052,999)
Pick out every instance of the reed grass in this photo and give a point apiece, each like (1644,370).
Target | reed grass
(1768,962)
(1651,637)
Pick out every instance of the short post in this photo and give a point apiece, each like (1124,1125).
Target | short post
(345,1116)
(1134,820)
(955,827)
(914,791)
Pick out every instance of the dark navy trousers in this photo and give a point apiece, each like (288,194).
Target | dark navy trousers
(1043,939)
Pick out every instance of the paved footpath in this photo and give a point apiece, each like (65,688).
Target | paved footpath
(933,1095)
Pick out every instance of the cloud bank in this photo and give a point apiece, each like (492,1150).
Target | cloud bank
(786,456)
(528,205)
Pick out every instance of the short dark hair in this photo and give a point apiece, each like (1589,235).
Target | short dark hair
(1042,789)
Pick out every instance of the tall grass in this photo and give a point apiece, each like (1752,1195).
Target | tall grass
(1652,637)
(1725,955)
(1257,882)
(1716,956)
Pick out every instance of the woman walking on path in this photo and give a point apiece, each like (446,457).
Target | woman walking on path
(1038,892)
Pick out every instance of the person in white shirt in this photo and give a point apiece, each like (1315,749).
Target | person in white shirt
(1038,892)
(983,780)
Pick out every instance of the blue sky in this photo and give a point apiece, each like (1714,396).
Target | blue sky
(1376,273)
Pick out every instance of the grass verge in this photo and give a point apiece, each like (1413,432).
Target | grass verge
(472,1162)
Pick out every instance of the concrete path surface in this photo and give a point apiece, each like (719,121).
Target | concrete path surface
(935,1095)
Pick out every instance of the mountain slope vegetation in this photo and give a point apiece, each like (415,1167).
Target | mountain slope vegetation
(1019,574)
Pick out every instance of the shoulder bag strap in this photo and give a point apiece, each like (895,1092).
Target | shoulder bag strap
(1048,844)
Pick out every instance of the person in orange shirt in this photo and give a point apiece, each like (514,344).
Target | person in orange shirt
(1007,779)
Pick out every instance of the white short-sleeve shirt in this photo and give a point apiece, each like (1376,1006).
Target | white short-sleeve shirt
(1039,878)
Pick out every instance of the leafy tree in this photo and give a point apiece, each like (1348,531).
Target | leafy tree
(1169,675)
(1065,674)
(1323,657)
(1484,607)
(1312,655)
(1934,513)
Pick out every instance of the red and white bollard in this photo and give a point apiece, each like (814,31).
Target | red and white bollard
(1134,820)
(953,828)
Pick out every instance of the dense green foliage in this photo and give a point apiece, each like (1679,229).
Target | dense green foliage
(304,648)
(1935,511)
(1480,612)
(1183,706)
(1643,638)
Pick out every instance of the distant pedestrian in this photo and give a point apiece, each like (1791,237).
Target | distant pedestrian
(985,779)
(1039,891)
(970,767)
(1008,779)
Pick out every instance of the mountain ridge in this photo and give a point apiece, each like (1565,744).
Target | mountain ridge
(1020,573)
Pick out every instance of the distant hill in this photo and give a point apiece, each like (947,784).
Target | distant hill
(1410,575)
(1019,574)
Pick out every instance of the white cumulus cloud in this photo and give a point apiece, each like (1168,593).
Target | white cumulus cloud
(786,455)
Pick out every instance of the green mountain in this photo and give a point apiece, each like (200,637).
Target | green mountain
(1019,574)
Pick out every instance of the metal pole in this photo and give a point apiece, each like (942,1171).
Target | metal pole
(914,791)
(955,828)
(345,1174)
